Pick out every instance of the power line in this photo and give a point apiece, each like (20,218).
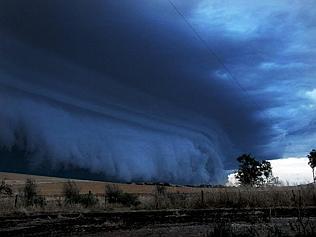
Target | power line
(210,51)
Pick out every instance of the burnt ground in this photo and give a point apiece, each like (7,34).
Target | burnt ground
(203,222)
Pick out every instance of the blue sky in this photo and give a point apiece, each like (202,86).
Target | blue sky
(94,69)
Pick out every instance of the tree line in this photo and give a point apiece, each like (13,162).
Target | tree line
(252,172)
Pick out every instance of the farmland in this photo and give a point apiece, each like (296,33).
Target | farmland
(160,210)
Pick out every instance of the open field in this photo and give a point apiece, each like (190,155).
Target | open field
(159,210)
(54,185)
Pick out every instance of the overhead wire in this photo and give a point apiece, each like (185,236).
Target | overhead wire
(214,54)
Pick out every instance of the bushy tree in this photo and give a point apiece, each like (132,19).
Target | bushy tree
(266,169)
(252,172)
(312,162)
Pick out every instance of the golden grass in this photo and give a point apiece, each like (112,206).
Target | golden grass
(54,185)
(171,198)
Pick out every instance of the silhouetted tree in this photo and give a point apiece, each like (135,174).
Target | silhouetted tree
(266,170)
(312,162)
(252,172)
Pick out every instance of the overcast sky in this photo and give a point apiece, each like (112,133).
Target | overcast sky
(270,48)
(240,73)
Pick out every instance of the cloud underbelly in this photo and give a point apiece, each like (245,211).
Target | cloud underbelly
(122,144)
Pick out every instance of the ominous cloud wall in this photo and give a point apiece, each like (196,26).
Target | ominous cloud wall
(120,89)
(114,138)
(117,147)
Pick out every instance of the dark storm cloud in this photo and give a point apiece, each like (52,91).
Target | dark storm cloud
(147,46)
(271,48)
(123,46)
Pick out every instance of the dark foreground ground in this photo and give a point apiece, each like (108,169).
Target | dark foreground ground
(206,222)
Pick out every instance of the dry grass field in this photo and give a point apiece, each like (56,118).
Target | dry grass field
(154,210)
(166,197)
(54,185)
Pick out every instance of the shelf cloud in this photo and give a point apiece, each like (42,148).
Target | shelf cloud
(127,90)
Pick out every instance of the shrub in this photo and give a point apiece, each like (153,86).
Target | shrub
(88,200)
(112,193)
(29,192)
(163,199)
(160,198)
(115,195)
(71,193)
(5,188)
(128,199)
(39,201)
(30,195)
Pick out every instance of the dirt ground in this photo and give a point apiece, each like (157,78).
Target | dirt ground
(203,222)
